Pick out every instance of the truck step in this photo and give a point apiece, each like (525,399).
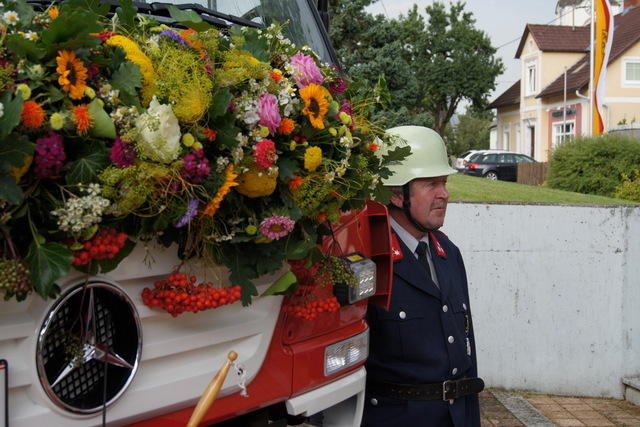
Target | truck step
(632,389)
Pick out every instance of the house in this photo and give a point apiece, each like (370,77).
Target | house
(537,112)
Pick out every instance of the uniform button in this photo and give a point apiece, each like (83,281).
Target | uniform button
(464,306)
(450,401)
(450,339)
(445,308)
(454,371)
(374,401)
(402,314)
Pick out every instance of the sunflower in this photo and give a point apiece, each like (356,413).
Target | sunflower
(82,118)
(316,104)
(73,74)
(32,115)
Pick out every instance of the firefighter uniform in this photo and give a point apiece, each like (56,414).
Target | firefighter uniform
(423,340)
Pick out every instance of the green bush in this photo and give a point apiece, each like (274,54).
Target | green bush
(594,165)
(630,187)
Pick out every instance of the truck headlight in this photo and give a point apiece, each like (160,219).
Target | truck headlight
(346,353)
(364,271)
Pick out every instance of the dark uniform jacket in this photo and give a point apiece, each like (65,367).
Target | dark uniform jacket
(422,339)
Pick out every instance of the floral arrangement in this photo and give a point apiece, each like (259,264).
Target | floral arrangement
(238,147)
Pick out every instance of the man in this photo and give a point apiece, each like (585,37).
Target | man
(422,364)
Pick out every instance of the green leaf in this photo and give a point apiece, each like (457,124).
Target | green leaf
(71,29)
(227,133)
(300,249)
(397,154)
(382,194)
(14,150)
(282,285)
(92,160)
(127,13)
(54,94)
(240,276)
(127,78)
(47,263)
(287,167)
(109,264)
(220,103)
(103,126)
(23,48)
(10,191)
(188,18)
(12,110)
(256,45)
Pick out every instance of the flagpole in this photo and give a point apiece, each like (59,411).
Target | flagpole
(592,67)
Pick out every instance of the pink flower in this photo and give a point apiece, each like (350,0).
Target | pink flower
(265,153)
(305,70)
(195,167)
(269,112)
(49,155)
(276,226)
(339,85)
(122,153)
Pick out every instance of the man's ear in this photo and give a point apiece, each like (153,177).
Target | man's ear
(396,200)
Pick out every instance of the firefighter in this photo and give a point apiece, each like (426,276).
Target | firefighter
(422,364)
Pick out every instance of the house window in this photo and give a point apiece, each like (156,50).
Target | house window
(531,78)
(632,71)
(563,131)
(505,137)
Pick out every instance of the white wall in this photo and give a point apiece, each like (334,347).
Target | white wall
(555,294)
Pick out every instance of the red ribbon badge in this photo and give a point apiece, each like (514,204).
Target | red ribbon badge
(439,250)
(396,250)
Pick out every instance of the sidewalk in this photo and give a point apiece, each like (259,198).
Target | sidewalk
(500,408)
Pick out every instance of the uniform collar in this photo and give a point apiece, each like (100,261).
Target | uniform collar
(409,241)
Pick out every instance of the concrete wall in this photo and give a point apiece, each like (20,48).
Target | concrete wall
(555,294)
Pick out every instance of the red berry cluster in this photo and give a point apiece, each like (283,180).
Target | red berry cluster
(312,295)
(105,244)
(179,293)
(310,309)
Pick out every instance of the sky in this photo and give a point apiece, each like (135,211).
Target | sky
(502,20)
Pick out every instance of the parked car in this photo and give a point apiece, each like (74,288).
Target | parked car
(495,165)
(461,161)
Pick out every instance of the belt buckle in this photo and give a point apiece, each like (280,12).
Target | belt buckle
(445,390)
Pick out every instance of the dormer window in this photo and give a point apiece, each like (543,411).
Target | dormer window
(531,78)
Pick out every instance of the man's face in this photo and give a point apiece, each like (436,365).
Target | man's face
(429,198)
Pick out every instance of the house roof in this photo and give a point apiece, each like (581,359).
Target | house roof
(556,38)
(626,34)
(510,96)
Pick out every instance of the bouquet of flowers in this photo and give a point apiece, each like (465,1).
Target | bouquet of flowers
(115,130)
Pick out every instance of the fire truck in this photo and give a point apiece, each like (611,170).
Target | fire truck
(141,367)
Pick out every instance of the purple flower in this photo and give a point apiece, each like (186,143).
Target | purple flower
(276,226)
(122,153)
(339,85)
(195,166)
(305,70)
(49,155)
(269,112)
(192,210)
(174,36)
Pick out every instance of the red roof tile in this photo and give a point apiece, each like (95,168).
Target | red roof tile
(556,38)
(510,96)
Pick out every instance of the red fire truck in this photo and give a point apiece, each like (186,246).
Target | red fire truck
(287,369)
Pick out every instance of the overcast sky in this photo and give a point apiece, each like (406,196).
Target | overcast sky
(502,20)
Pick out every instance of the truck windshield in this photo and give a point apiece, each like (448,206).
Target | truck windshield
(302,28)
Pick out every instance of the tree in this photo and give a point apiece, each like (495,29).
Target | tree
(429,67)
(471,133)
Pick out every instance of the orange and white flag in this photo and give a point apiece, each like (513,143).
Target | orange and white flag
(601,49)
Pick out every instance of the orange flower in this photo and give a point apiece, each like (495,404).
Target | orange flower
(186,36)
(210,134)
(287,126)
(372,147)
(316,104)
(53,12)
(276,76)
(32,115)
(322,217)
(214,204)
(82,118)
(73,74)
(295,183)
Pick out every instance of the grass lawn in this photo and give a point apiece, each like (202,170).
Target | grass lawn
(463,187)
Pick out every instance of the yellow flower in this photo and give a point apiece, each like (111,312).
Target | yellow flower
(53,12)
(312,158)
(316,104)
(251,230)
(345,118)
(73,73)
(225,189)
(255,183)
(90,93)
(24,91)
(188,140)
(135,55)
(57,121)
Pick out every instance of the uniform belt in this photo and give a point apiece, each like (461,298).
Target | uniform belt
(447,390)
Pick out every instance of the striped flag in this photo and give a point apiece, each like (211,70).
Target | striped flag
(603,40)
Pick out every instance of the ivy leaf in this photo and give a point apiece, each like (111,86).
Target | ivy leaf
(88,165)
(287,167)
(23,48)
(106,265)
(127,13)
(382,194)
(220,103)
(240,276)
(282,285)
(397,154)
(12,110)
(188,18)
(14,150)
(103,126)
(47,263)
(10,191)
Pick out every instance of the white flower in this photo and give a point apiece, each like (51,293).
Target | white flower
(159,133)
(80,213)
(1,109)
(30,35)
(10,17)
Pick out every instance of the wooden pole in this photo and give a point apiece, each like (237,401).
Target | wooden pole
(211,392)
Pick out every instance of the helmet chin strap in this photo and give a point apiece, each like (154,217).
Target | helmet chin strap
(406,208)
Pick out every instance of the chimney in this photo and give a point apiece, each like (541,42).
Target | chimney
(631,3)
